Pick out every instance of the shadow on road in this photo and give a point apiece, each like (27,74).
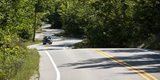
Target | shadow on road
(100,63)
(50,49)
(61,45)
(127,51)
(152,61)
(55,47)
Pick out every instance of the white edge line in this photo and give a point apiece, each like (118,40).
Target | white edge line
(54,65)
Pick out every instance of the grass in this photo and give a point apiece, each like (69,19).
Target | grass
(30,42)
(29,67)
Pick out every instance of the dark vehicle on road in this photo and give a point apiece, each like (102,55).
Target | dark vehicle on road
(47,39)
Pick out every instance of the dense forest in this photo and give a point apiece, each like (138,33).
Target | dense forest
(109,23)
(102,23)
(18,21)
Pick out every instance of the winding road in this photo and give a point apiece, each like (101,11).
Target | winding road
(60,62)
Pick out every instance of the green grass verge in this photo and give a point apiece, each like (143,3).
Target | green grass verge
(29,42)
(29,67)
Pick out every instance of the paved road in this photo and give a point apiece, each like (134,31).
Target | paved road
(88,64)
(60,62)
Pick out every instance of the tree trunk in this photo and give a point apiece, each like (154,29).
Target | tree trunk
(35,25)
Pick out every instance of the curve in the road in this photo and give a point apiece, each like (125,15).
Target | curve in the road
(54,65)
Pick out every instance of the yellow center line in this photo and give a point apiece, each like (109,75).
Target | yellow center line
(142,73)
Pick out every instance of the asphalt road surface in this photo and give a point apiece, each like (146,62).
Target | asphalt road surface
(60,62)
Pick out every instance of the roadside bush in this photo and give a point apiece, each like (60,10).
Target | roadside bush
(25,33)
(18,63)
(29,67)
(11,59)
(14,57)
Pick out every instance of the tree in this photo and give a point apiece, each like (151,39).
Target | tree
(40,7)
(111,23)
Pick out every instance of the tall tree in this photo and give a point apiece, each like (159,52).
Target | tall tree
(41,7)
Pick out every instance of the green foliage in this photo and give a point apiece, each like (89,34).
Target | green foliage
(25,33)
(147,19)
(111,23)
(11,59)
(25,72)
(55,20)
(17,19)
(16,61)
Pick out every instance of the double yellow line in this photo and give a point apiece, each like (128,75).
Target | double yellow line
(142,73)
